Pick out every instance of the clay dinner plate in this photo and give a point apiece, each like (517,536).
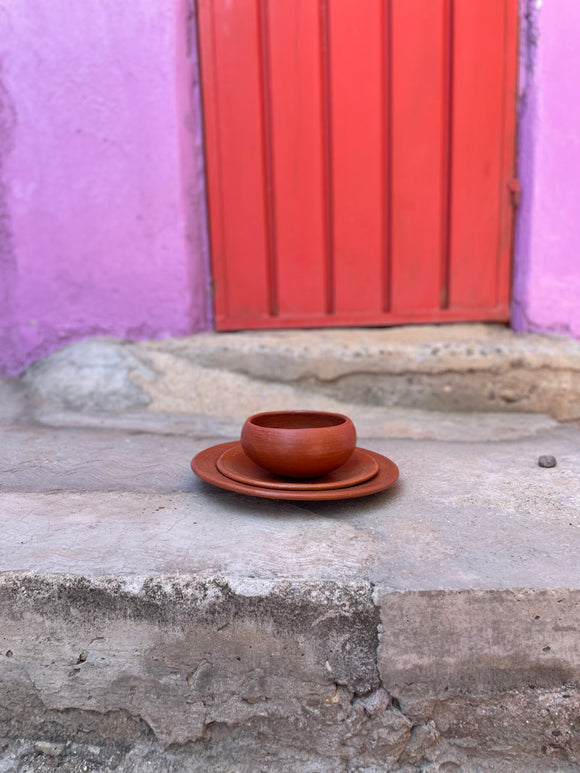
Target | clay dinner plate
(204,466)
(235,464)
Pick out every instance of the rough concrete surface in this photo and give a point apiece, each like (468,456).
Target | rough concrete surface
(149,621)
(463,515)
(444,368)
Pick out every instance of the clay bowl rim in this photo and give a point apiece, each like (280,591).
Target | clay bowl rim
(344,419)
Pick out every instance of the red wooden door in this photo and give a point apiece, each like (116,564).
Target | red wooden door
(359,159)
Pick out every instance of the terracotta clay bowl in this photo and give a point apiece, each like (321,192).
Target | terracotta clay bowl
(299,444)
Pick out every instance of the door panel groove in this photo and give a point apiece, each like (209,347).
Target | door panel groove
(386,112)
(269,182)
(447,150)
(326,113)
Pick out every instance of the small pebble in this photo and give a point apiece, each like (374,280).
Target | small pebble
(50,749)
(547,461)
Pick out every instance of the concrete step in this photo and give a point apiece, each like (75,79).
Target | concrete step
(444,368)
(152,622)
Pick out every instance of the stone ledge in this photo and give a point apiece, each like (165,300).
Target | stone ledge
(331,353)
(445,368)
(211,670)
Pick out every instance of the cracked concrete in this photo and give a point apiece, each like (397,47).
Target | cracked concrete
(150,621)
(204,672)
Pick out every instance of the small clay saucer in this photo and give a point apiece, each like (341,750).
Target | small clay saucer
(235,464)
(204,466)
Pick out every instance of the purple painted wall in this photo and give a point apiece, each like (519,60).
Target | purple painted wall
(102,204)
(547,257)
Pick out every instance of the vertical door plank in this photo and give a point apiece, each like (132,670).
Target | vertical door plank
(478,95)
(234,133)
(295,80)
(357,117)
(418,153)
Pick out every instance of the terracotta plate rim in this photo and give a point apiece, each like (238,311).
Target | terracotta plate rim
(363,458)
(204,466)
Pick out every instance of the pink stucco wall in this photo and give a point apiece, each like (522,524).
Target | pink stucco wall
(102,209)
(547,256)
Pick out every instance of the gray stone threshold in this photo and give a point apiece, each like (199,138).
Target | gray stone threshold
(445,368)
(149,621)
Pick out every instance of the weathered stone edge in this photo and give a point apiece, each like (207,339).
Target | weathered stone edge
(187,375)
(375,657)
